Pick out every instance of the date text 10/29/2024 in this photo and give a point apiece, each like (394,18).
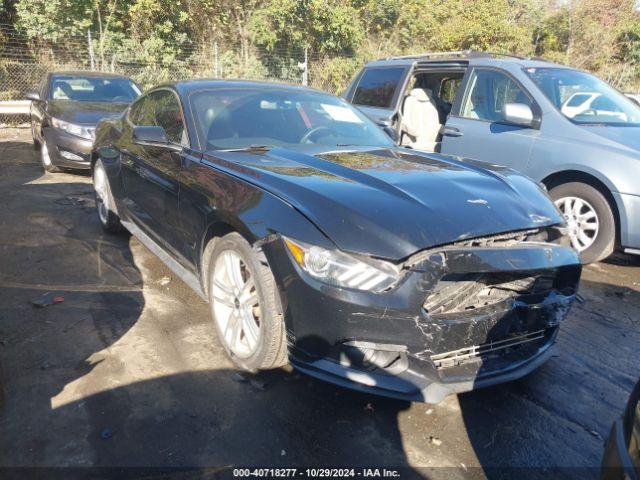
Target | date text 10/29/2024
(315,472)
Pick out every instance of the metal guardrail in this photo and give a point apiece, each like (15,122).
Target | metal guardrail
(15,107)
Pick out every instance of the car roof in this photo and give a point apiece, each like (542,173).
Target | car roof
(463,58)
(187,86)
(87,73)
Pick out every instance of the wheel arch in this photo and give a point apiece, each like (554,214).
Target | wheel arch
(568,176)
(217,229)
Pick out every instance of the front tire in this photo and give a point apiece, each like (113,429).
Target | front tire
(591,223)
(36,143)
(245,306)
(105,205)
(45,159)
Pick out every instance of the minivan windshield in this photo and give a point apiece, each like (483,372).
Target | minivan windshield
(585,99)
(245,117)
(93,89)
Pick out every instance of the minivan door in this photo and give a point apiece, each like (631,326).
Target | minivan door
(376,92)
(476,128)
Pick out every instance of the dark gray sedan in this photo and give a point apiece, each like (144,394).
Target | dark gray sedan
(65,110)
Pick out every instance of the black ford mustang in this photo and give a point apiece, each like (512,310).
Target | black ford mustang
(317,241)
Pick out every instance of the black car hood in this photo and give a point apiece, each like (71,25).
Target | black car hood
(391,203)
(84,113)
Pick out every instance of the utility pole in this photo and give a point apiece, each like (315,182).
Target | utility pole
(305,68)
(215,60)
(93,65)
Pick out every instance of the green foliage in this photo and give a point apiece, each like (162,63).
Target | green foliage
(267,38)
(325,26)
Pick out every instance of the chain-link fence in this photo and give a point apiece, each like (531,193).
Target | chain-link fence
(24,61)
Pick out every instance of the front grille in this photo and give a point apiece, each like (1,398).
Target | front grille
(505,239)
(467,354)
(460,293)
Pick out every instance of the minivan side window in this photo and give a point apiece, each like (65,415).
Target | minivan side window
(449,88)
(488,91)
(377,87)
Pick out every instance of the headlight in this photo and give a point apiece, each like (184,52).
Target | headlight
(73,129)
(342,270)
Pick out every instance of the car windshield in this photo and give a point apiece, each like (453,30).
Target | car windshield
(584,98)
(238,118)
(93,89)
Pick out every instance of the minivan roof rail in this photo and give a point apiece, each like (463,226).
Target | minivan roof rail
(455,53)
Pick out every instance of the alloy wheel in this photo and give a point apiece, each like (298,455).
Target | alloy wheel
(236,305)
(581,219)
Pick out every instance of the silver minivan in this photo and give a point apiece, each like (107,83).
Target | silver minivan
(563,127)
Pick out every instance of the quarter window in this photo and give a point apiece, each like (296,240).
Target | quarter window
(488,92)
(377,87)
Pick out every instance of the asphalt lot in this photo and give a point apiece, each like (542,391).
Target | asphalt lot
(127,370)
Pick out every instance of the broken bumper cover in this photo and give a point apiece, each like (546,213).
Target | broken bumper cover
(424,340)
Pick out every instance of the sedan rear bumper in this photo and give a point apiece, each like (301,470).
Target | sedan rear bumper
(390,344)
(66,150)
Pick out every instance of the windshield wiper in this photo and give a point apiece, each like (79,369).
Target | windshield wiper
(250,148)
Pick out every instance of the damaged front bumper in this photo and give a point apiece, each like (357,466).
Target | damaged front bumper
(463,317)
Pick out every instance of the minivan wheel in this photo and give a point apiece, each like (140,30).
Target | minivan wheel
(592,227)
(109,220)
(245,305)
(45,159)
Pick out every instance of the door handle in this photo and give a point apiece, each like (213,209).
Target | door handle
(451,132)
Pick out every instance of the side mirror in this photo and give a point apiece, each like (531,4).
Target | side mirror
(33,96)
(518,114)
(152,136)
(391,132)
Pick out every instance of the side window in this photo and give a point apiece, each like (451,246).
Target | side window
(449,88)
(168,115)
(377,87)
(162,109)
(487,93)
(138,108)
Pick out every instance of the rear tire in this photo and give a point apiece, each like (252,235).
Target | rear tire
(45,159)
(105,205)
(245,305)
(589,217)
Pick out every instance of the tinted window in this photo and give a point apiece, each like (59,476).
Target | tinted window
(162,109)
(488,91)
(168,115)
(92,89)
(141,109)
(241,117)
(377,86)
